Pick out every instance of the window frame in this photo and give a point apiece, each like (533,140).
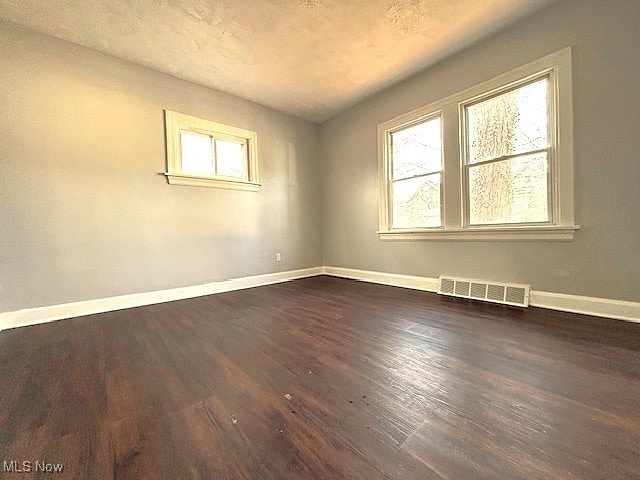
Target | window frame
(455,207)
(552,201)
(176,123)
(391,179)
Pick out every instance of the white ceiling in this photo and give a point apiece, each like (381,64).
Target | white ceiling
(311,58)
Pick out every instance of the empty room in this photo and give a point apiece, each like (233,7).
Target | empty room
(320,239)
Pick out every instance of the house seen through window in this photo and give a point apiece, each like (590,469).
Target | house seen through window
(507,158)
(417,175)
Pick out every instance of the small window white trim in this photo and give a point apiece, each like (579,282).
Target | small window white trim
(451,109)
(176,123)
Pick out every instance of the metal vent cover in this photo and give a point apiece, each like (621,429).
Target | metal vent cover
(489,291)
(461,288)
(478,290)
(446,286)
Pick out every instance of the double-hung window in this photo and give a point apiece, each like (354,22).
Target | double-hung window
(493,162)
(507,150)
(210,154)
(416,174)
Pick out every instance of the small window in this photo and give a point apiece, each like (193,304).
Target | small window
(416,175)
(205,153)
(508,150)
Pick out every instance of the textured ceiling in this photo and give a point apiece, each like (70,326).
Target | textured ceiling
(311,58)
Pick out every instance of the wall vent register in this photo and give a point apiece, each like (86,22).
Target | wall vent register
(495,292)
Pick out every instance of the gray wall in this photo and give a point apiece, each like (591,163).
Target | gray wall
(84,212)
(603,260)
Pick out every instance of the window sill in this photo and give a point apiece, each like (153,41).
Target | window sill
(191,180)
(525,233)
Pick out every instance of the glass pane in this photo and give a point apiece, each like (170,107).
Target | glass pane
(511,123)
(197,154)
(511,191)
(230,159)
(417,150)
(416,202)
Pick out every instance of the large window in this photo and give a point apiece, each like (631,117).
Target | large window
(492,162)
(507,152)
(205,153)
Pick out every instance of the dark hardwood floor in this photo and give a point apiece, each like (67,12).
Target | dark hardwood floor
(384,383)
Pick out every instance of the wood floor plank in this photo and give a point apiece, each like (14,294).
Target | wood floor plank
(324,378)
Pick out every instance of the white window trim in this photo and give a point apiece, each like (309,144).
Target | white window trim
(175,123)
(455,226)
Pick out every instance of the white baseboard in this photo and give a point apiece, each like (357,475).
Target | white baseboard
(426,284)
(598,307)
(34,316)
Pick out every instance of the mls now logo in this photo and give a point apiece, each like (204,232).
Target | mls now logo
(29,467)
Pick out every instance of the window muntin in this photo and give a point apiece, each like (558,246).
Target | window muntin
(508,152)
(416,175)
(205,153)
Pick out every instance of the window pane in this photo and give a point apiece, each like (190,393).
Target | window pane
(510,191)
(416,202)
(197,154)
(417,150)
(512,123)
(230,158)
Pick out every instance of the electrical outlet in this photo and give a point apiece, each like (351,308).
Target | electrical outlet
(278,257)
